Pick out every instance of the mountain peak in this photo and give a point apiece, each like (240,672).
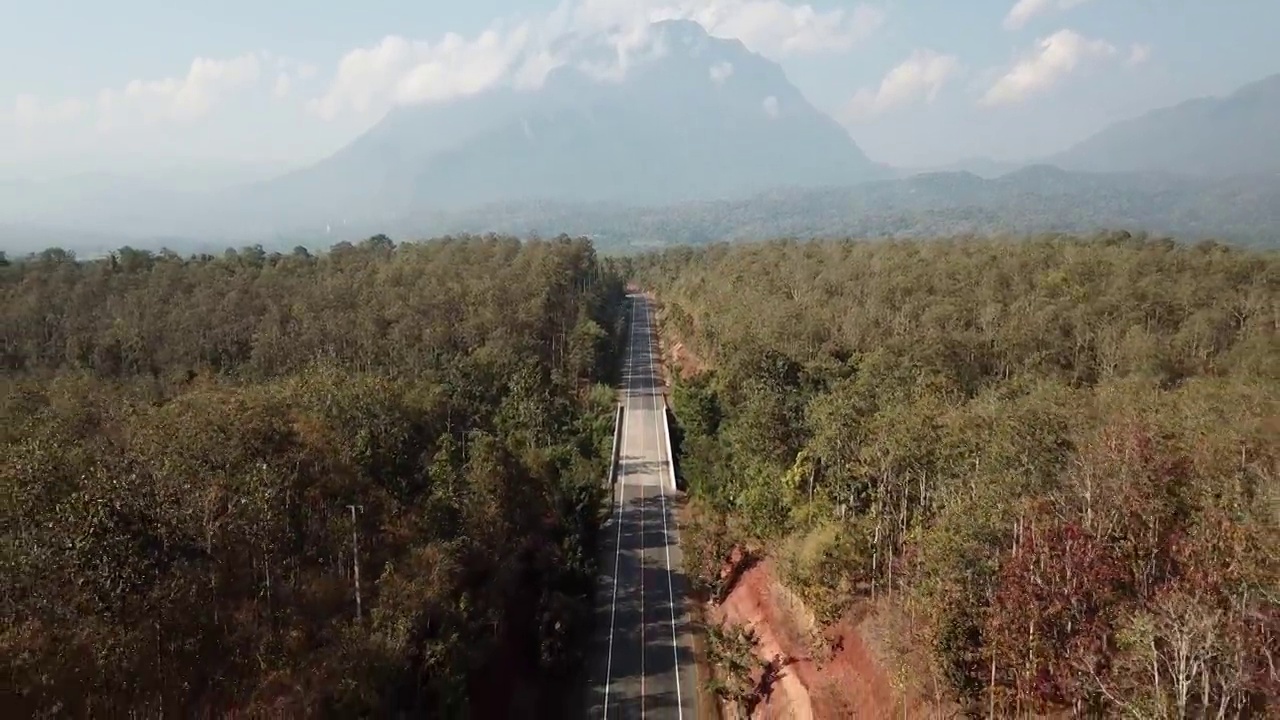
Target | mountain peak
(681,28)
(651,114)
(691,38)
(674,47)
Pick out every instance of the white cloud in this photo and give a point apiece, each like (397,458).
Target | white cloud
(177,98)
(399,71)
(1057,56)
(773,27)
(770,105)
(300,70)
(402,71)
(1139,53)
(30,111)
(1023,10)
(185,98)
(776,28)
(721,72)
(628,46)
(289,73)
(456,66)
(534,69)
(921,75)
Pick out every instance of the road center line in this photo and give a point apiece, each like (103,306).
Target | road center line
(662,493)
(640,560)
(622,489)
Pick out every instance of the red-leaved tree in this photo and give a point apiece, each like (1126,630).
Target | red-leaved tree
(1052,617)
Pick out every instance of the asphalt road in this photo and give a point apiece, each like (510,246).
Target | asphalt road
(642,656)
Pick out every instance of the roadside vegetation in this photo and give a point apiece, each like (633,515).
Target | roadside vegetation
(197,453)
(731,651)
(1056,456)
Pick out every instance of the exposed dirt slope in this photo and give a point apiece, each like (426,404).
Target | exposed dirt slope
(852,683)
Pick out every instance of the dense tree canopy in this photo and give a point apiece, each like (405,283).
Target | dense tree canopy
(198,452)
(1058,455)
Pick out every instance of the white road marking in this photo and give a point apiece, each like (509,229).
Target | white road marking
(641,309)
(643,620)
(617,555)
(671,595)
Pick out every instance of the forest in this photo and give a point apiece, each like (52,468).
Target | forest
(364,483)
(1053,458)
(367,482)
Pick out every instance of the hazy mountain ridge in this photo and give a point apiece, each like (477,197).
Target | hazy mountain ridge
(1034,199)
(983,167)
(1219,136)
(700,139)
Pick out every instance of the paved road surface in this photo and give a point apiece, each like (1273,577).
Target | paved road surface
(642,656)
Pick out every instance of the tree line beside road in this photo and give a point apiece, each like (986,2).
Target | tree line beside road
(197,453)
(1054,457)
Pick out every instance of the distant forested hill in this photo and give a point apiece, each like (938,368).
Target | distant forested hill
(1243,210)
(1040,198)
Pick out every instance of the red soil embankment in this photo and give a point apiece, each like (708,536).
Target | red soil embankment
(851,683)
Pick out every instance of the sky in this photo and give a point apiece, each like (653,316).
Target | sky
(159,88)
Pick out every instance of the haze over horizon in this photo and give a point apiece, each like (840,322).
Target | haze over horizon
(218,95)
